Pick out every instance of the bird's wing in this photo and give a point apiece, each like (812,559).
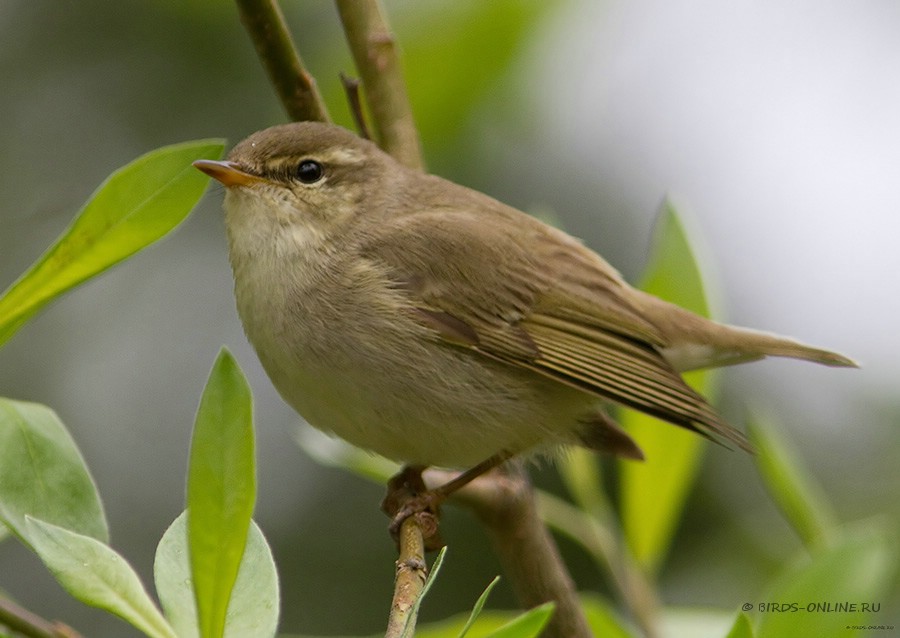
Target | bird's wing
(539,300)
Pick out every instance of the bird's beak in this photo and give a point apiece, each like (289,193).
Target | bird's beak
(229,173)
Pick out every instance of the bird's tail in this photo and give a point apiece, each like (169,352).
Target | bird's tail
(695,342)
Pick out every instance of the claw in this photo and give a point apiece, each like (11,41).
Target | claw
(407,496)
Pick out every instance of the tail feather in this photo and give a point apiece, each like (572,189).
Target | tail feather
(729,345)
(776,346)
(697,342)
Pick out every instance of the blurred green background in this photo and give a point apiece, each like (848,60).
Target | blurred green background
(774,126)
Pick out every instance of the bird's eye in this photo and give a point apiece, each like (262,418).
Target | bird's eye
(309,171)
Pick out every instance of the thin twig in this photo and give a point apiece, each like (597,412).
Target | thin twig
(30,624)
(378,62)
(295,86)
(410,578)
(351,89)
(505,504)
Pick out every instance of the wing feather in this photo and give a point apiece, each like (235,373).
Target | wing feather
(609,367)
(539,300)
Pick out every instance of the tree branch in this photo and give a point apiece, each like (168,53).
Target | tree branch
(634,588)
(505,504)
(378,63)
(295,86)
(351,90)
(410,578)
(29,624)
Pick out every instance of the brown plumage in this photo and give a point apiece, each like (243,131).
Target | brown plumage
(558,309)
(427,321)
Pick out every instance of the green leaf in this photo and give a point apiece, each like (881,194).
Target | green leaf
(690,622)
(603,619)
(43,475)
(742,627)
(489,620)
(527,625)
(253,609)
(653,493)
(836,588)
(493,624)
(134,207)
(479,606)
(96,575)
(221,490)
(331,452)
(791,486)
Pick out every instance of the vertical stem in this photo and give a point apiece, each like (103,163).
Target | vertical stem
(505,504)
(351,90)
(378,62)
(409,580)
(295,86)
(25,623)
(602,542)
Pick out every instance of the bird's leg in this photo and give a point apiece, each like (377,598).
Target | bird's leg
(442,492)
(407,496)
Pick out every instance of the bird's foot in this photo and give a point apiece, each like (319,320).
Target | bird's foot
(407,496)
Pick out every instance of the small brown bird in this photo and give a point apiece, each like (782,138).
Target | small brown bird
(434,325)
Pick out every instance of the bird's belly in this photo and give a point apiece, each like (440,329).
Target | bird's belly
(380,380)
(456,414)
